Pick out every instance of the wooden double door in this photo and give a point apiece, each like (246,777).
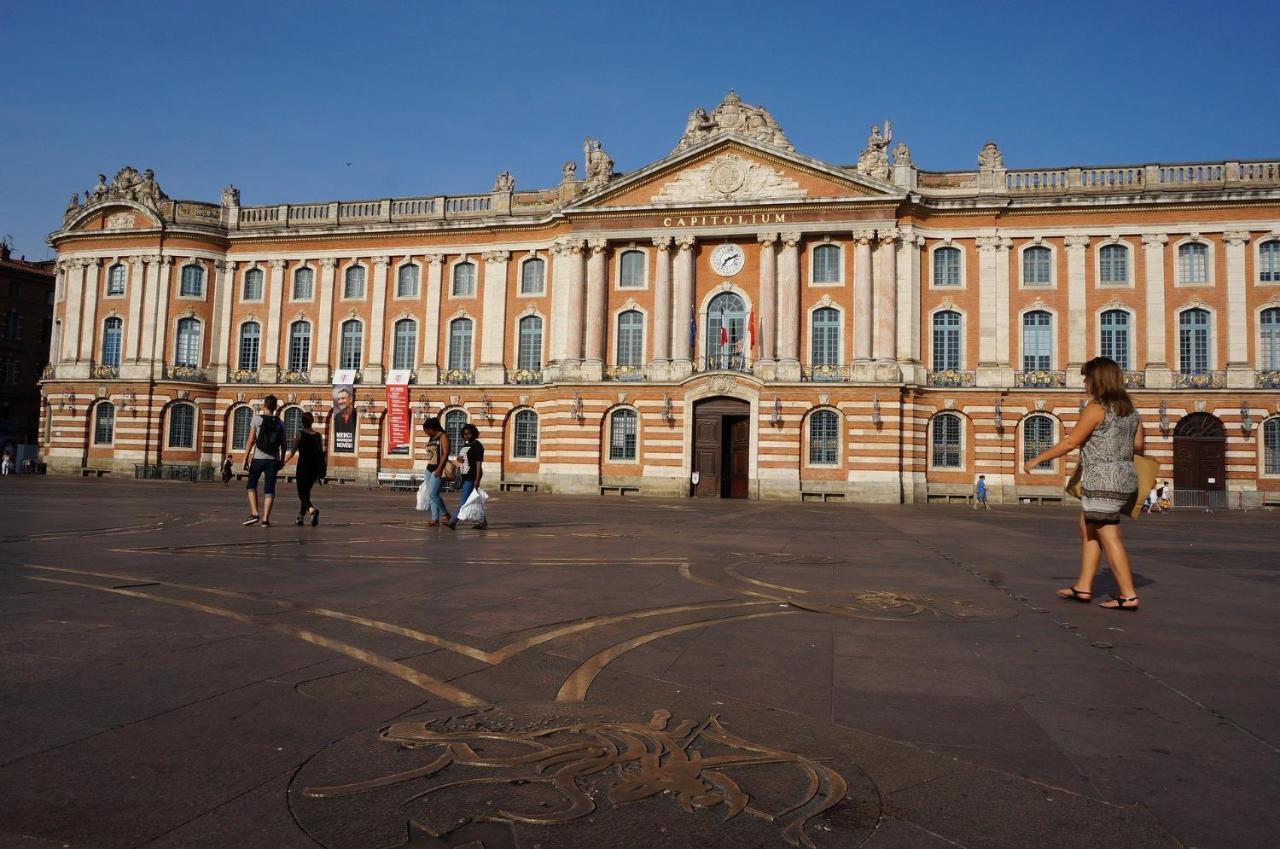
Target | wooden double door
(1200,453)
(722,448)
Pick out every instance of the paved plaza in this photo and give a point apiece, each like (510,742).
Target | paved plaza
(624,672)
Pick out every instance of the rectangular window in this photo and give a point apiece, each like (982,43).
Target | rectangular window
(622,435)
(104,424)
(946,442)
(1193,263)
(300,347)
(1113,264)
(1114,341)
(460,345)
(406,340)
(946,342)
(1037,267)
(824,438)
(526,438)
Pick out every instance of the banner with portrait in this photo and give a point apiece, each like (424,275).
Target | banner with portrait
(344,420)
(398,411)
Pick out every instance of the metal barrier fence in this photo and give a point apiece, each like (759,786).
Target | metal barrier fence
(1207,500)
(171,472)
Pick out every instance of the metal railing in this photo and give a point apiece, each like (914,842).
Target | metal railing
(1040,379)
(243,375)
(458,377)
(190,373)
(527,377)
(101,371)
(951,378)
(1199,379)
(1207,500)
(723,362)
(626,373)
(295,376)
(172,472)
(1268,379)
(1135,380)
(827,374)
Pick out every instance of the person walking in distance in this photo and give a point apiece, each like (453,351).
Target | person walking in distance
(1108,434)
(262,459)
(226,470)
(980,493)
(470,470)
(437,460)
(309,448)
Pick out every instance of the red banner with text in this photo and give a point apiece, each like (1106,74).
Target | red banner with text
(398,414)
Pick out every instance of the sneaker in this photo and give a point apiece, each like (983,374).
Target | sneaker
(252,520)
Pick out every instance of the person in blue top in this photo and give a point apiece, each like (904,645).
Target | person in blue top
(980,493)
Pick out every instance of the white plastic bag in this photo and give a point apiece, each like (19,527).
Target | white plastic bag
(473,510)
(424,503)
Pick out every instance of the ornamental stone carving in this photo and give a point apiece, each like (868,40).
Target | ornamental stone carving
(128,184)
(888,237)
(874,161)
(791,239)
(120,221)
(597,246)
(662,243)
(990,156)
(277,263)
(686,243)
(1076,242)
(230,196)
(599,164)
(729,177)
(902,154)
(328,263)
(767,239)
(1235,237)
(1155,239)
(504,182)
(569,171)
(495,257)
(381,261)
(436,260)
(733,116)
(863,237)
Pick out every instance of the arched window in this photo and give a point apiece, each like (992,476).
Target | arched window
(945,441)
(115,279)
(464,279)
(300,345)
(824,438)
(825,347)
(1113,264)
(303,284)
(1037,340)
(630,338)
(1113,336)
(353,281)
(946,267)
(1269,350)
(241,418)
(529,348)
(1271,446)
(1037,266)
(946,340)
(192,281)
(351,345)
(250,339)
(407,281)
(1037,437)
(404,343)
(460,344)
(1269,261)
(252,285)
(622,435)
(187,351)
(292,420)
(104,423)
(631,270)
(526,435)
(1193,341)
(726,321)
(826,264)
(533,276)
(1193,263)
(182,426)
(453,422)
(112,332)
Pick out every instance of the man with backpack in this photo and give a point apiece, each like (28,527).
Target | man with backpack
(262,458)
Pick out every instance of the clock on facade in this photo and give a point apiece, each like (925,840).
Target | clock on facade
(727,260)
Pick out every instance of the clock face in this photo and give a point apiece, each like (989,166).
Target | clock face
(727,260)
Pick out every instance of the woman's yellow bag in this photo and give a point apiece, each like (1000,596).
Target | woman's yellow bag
(1148,468)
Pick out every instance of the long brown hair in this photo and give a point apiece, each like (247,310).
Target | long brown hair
(1105,381)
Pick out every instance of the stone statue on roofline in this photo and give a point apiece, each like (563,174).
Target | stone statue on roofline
(73,206)
(733,116)
(874,161)
(569,171)
(504,182)
(230,196)
(990,156)
(599,164)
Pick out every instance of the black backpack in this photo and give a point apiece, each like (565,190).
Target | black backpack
(270,436)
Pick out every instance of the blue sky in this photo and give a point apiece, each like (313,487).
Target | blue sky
(435,97)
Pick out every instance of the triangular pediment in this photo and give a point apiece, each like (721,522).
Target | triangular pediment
(734,170)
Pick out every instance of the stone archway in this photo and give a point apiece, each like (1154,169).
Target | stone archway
(1200,453)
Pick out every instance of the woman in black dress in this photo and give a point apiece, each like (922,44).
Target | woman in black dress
(309,446)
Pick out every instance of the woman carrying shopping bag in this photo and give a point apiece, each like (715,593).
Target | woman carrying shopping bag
(470,472)
(437,470)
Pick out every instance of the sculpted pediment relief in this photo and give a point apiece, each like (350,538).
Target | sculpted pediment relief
(729,177)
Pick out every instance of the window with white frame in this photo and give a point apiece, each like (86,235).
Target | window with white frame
(946,267)
(292,421)
(533,276)
(525,442)
(1113,336)
(250,341)
(631,270)
(1113,265)
(353,282)
(460,344)
(1037,266)
(299,345)
(945,441)
(946,340)
(115,279)
(630,338)
(407,281)
(1271,445)
(241,419)
(825,337)
(192,284)
(464,279)
(453,422)
(824,438)
(1193,341)
(182,426)
(1037,437)
(1269,261)
(826,264)
(252,285)
(529,343)
(622,435)
(1193,262)
(404,342)
(1269,344)
(112,332)
(303,284)
(104,423)
(187,351)
(351,344)
(1037,340)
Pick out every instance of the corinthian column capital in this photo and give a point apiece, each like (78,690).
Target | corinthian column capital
(597,246)
(767,239)
(435,259)
(863,237)
(791,238)
(1155,240)
(1076,242)
(277,264)
(328,263)
(662,243)
(495,257)
(889,237)
(1235,237)
(686,243)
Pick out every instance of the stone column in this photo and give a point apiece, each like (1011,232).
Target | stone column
(373,369)
(768,300)
(493,323)
(566,308)
(862,303)
(1003,319)
(1077,313)
(1239,372)
(597,318)
(164,285)
(788,367)
(988,314)
(322,353)
(150,324)
(576,295)
(134,293)
(886,309)
(269,362)
(430,371)
(682,353)
(71,312)
(909,348)
(224,289)
(662,303)
(1158,375)
(89,321)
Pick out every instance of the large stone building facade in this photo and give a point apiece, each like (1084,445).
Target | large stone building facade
(735,319)
(26,323)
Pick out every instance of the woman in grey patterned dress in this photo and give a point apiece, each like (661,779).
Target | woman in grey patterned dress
(1108,434)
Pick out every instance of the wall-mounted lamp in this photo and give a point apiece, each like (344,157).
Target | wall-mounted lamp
(875,411)
(1164,419)
(776,418)
(127,401)
(420,410)
(997,417)
(486,408)
(370,413)
(1246,419)
(667,415)
(576,409)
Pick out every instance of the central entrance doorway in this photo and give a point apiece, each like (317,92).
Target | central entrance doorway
(1200,453)
(722,447)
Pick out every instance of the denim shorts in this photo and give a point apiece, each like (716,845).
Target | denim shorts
(268,468)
